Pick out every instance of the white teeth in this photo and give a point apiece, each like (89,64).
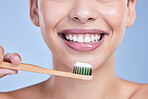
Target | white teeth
(75,38)
(99,36)
(96,37)
(67,37)
(80,39)
(92,38)
(70,37)
(86,38)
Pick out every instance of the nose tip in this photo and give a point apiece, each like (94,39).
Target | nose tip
(83,19)
(83,13)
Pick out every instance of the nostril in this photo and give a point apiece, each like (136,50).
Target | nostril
(76,18)
(83,20)
(91,19)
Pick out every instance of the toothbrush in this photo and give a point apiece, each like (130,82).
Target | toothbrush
(81,71)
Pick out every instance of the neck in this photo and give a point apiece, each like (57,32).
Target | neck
(103,84)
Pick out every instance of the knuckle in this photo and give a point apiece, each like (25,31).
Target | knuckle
(7,57)
(7,54)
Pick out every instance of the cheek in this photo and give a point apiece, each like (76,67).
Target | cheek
(115,15)
(51,14)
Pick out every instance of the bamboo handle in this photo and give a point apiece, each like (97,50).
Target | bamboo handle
(37,69)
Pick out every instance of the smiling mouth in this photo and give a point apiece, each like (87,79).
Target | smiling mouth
(83,39)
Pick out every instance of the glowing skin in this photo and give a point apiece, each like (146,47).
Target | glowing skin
(58,15)
(111,16)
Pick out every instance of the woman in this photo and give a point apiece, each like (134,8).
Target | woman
(80,31)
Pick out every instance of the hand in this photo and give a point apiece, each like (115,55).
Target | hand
(14,58)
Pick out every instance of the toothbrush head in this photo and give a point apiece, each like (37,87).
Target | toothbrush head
(82,69)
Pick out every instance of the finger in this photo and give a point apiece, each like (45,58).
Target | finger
(2,75)
(4,72)
(1,54)
(14,58)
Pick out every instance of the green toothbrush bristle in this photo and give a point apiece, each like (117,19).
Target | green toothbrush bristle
(82,70)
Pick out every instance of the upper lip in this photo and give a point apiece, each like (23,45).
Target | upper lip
(81,31)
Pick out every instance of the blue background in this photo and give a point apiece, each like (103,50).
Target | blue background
(18,34)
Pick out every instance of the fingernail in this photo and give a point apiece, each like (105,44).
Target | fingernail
(17,58)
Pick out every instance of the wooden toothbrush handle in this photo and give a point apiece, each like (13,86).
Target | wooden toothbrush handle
(37,69)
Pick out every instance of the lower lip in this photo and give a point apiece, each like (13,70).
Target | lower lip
(83,46)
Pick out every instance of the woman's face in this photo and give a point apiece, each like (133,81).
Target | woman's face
(82,30)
